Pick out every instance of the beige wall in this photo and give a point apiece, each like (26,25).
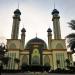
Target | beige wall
(13,41)
(58,41)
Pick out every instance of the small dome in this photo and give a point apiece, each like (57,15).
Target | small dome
(55,11)
(38,41)
(49,30)
(17,11)
(23,30)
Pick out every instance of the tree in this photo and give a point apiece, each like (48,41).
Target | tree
(3,50)
(71,37)
(68,63)
(5,60)
(46,68)
(24,67)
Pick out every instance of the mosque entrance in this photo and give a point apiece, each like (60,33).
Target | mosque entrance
(35,57)
(36,47)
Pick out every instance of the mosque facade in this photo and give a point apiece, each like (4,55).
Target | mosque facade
(36,51)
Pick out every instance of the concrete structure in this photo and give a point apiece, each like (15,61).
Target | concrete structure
(36,52)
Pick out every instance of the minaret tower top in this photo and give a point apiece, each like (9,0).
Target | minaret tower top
(56,24)
(23,37)
(49,30)
(55,11)
(23,30)
(17,12)
(15,26)
(49,37)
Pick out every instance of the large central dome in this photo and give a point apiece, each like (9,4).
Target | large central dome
(37,41)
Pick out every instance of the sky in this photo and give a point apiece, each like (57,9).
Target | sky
(36,17)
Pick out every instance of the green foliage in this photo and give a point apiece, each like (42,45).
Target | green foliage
(16,60)
(5,60)
(35,68)
(71,37)
(72,24)
(24,67)
(68,63)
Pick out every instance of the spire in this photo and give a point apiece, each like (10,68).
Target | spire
(17,11)
(55,11)
(54,4)
(23,30)
(18,5)
(36,35)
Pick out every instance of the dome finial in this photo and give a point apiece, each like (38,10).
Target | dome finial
(49,29)
(23,30)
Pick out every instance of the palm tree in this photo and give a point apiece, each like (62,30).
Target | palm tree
(71,37)
(17,61)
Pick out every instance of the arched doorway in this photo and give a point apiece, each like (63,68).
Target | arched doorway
(35,57)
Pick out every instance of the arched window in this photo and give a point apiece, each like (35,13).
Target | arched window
(46,60)
(35,57)
(25,59)
(12,46)
(35,60)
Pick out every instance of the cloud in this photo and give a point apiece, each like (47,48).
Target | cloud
(2,39)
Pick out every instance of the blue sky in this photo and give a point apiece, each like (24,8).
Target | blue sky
(36,17)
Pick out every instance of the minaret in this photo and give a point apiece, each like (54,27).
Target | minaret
(15,26)
(56,24)
(49,37)
(23,38)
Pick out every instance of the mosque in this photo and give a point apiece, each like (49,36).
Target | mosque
(36,51)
